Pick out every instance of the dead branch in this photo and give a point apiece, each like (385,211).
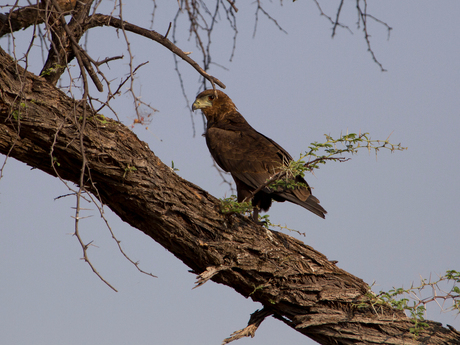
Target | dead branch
(250,330)
(105,20)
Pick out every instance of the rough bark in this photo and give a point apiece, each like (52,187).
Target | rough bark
(294,282)
(23,17)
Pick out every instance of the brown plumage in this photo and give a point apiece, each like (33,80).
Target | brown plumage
(248,155)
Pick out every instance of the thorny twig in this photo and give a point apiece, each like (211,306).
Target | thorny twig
(362,18)
(335,22)
(261,9)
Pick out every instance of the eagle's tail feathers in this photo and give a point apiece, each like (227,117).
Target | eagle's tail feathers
(311,204)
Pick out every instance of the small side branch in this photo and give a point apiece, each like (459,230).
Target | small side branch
(208,274)
(362,17)
(335,22)
(99,206)
(250,330)
(85,255)
(261,9)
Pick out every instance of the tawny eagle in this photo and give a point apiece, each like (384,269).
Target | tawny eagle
(249,156)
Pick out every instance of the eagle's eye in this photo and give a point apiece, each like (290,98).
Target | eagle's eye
(212,97)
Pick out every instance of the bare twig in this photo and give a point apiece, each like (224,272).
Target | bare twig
(335,22)
(99,206)
(362,16)
(223,177)
(261,9)
(118,90)
(106,60)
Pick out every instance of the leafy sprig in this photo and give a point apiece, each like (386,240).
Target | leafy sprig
(417,309)
(350,144)
(231,205)
(320,153)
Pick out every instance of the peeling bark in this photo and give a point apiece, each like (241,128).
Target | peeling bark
(294,282)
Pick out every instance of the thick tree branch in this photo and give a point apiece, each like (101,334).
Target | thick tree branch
(299,285)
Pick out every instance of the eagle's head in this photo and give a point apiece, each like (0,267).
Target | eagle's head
(213,103)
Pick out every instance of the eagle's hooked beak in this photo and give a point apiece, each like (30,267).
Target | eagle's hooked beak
(201,103)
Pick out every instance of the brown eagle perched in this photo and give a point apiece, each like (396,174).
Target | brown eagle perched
(248,155)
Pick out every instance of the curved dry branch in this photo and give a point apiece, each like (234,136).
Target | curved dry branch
(104,20)
(299,285)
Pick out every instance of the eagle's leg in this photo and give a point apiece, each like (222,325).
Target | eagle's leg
(255,214)
(260,202)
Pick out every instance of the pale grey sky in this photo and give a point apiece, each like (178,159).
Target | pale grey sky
(389,219)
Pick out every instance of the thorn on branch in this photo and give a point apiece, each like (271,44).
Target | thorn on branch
(88,244)
(167,32)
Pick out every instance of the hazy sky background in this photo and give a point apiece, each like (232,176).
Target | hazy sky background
(390,219)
